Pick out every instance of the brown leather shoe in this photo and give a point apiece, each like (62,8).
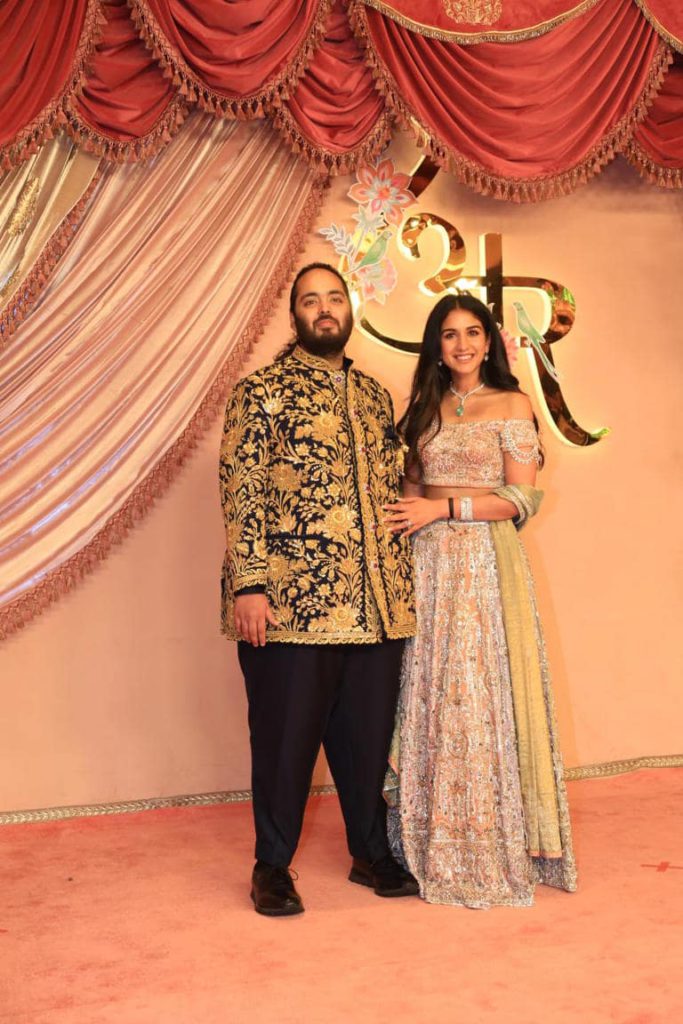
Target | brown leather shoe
(273,892)
(385,876)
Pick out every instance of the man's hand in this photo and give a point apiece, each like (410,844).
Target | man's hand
(252,612)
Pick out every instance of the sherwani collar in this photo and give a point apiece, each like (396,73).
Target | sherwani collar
(317,362)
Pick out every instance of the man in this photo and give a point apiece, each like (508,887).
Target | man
(315,588)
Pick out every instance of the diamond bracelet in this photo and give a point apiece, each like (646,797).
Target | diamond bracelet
(466,510)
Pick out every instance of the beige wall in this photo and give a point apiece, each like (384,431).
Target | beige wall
(125,689)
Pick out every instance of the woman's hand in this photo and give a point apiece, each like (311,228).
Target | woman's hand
(411,514)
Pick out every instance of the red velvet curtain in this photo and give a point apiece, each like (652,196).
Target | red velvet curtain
(521,120)
(336,116)
(44,48)
(126,99)
(232,57)
(667,18)
(657,145)
(528,119)
(472,21)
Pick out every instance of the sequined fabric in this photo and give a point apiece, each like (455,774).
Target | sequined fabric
(458,823)
(470,454)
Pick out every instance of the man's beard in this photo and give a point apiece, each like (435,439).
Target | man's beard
(326,341)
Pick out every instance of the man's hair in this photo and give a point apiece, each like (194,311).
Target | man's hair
(316,266)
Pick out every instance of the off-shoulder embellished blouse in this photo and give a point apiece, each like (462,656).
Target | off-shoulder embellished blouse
(470,454)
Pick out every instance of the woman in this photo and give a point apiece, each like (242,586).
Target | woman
(479,811)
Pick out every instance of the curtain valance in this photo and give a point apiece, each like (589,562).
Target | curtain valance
(506,21)
(657,141)
(477,21)
(44,50)
(667,17)
(127,109)
(232,58)
(336,116)
(546,113)
(521,100)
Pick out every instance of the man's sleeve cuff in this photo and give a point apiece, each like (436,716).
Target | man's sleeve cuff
(258,579)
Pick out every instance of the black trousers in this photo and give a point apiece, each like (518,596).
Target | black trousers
(301,695)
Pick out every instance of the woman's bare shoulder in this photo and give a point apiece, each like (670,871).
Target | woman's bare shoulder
(514,405)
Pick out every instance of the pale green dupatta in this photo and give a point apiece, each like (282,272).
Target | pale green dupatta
(534,748)
(539,794)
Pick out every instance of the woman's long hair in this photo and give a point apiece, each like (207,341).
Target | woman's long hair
(432,378)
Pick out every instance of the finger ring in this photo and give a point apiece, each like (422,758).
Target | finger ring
(408,524)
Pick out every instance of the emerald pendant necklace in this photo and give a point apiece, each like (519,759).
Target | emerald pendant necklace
(462,398)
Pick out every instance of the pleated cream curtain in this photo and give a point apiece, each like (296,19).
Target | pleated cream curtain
(131,351)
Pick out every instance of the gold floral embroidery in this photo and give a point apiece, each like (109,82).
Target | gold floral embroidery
(307,463)
(286,478)
(233,531)
(272,406)
(286,523)
(326,426)
(278,567)
(24,208)
(474,12)
(339,619)
(339,522)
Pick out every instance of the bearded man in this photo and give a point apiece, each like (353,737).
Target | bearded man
(316,590)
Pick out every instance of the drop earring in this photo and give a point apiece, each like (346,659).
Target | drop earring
(486,357)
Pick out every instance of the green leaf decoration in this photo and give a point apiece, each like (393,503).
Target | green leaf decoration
(567,296)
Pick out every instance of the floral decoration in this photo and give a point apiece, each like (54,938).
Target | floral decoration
(382,195)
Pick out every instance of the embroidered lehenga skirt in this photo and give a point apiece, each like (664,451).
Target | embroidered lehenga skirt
(458,822)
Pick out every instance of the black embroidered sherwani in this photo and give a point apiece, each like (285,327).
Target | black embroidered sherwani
(309,457)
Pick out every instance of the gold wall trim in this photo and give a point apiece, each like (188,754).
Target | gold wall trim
(589,771)
(633,764)
(133,806)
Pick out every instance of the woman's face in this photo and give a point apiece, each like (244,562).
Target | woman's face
(463,342)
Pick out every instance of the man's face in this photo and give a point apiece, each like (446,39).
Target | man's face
(322,317)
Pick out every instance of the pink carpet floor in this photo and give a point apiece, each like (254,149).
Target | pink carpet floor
(145,919)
